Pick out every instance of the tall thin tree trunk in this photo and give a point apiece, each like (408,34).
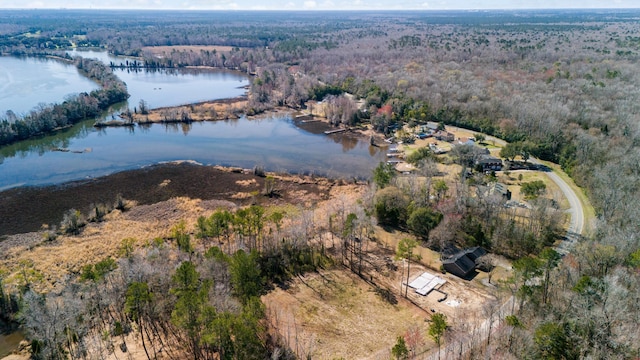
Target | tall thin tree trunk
(144,345)
(406,288)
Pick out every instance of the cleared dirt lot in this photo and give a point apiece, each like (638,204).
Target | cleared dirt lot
(334,314)
(338,314)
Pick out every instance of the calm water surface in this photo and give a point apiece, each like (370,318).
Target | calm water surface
(278,144)
(160,88)
(27,82)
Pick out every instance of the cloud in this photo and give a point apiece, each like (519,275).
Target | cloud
(310,4)
(425,5)
(328,4)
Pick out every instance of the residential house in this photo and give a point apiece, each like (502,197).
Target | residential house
(466,141)
(488,163)
(463,264)
(433,126)
(444,136)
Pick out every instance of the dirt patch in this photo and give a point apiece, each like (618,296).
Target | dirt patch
(338,314)
(246,182)
(335,314)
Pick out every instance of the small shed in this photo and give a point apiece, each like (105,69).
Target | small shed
(500,189)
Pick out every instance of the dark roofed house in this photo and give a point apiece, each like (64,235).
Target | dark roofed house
(488,162)
(459,265)
(464,263)
(475,252)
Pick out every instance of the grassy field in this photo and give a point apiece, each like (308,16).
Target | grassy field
(334,314)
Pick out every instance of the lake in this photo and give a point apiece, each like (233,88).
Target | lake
(27,82)
(277,144)
(171,87)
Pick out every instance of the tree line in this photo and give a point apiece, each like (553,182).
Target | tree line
(45,119)
(562,85)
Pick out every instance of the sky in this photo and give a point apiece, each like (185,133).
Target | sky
(316,4)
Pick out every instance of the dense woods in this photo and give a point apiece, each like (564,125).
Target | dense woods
(559,85)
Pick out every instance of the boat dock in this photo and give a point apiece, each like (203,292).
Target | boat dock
(329,132)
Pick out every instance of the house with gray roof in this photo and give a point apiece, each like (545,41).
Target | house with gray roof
(463,264)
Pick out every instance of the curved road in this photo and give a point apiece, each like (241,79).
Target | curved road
(576,210)
(574,232)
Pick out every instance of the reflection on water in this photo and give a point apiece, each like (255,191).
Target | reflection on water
(171,87)
(26,82)
(278,144)
(349,141)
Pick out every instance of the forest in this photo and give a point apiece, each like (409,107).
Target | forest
(559,85)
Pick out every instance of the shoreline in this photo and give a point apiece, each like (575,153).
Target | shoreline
(227,109)
(210,110)
(29,208)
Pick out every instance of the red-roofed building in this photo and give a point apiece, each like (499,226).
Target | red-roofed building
(386,110)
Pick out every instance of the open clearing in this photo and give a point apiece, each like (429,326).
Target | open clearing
(337,314)
(165,194)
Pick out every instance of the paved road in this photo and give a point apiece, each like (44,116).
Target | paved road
(576,210)
(480,334)
(574,232)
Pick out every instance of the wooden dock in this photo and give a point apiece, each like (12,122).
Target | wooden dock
(329,132)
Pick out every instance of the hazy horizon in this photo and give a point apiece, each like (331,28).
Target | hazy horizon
(320,5)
